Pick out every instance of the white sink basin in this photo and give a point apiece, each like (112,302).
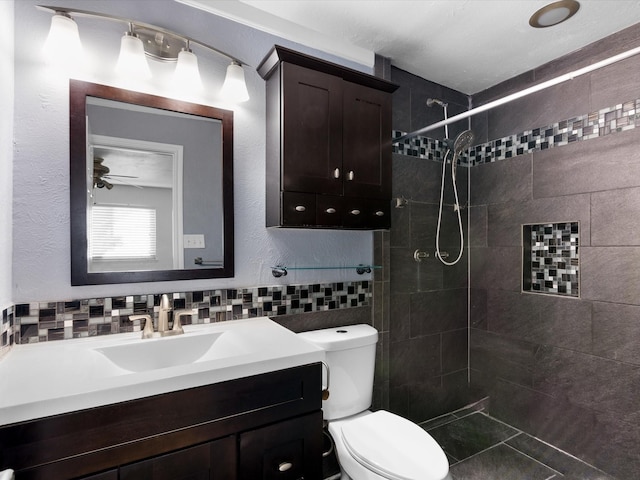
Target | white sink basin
(96,371)
(153,353)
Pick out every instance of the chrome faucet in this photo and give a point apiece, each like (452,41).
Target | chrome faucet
(163,320)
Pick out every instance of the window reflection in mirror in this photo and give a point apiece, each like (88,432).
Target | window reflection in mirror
(151,187)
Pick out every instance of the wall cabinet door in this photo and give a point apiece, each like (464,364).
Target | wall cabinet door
(366,152)
(287,450)
(312,131)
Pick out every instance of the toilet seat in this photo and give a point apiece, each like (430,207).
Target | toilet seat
(394,447)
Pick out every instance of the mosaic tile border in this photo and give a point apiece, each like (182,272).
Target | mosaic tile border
(619,118)
(47,321)
(551,258)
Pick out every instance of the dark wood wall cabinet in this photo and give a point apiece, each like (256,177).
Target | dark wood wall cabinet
(263,427)
(328,144)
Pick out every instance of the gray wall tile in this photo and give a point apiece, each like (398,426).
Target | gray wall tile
(594,382)
(505,220)
(606,163)
(414,360)
(615,84)
(408,276)
(478,226)
(610,274)
(454,350)
(540,318)
(438,311)
(499,268)
(539,109)
(616,331)
(478,308)
(504,181)
(615,216)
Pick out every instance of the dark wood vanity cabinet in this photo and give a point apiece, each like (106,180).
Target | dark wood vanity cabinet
(263,427)
(328,144)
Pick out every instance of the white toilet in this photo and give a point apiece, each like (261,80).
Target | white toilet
(370,445)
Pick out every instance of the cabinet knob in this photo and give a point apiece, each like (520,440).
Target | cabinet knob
(330,210)
(350,175)
(284,466)
(336,173)
(355,212)
(380,213)
(300,208)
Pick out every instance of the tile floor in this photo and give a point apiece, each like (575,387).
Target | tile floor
(480,447)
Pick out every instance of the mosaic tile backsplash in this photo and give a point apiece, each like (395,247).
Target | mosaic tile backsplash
(552,252)
(45,321)
(619,118)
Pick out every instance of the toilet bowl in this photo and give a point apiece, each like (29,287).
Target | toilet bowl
(370,445)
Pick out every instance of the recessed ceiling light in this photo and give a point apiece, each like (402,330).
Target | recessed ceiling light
(554,13)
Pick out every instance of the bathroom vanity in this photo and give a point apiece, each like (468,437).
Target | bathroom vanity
(198,423)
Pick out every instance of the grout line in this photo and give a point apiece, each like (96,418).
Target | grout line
(470,406)
(535,460)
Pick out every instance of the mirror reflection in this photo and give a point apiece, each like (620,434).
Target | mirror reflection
(156,188)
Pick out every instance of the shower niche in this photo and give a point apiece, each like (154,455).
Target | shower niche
(328,144)
(550,259)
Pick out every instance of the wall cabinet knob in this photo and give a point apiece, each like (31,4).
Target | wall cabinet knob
(330,210)
(336,173)
(380,213)
(350,175)
(355,212)
(284,466)
(300,208)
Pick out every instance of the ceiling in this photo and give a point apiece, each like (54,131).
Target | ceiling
(467,45)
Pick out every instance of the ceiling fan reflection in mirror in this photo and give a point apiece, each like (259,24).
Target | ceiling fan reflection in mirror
(101,175)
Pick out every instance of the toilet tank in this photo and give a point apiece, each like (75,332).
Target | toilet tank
(351,355)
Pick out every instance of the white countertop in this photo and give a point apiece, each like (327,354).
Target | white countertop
(50,378)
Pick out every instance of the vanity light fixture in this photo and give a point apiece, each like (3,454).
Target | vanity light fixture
(234,87)
(187,74)
(63,42)
(140,42)
(554,13)
(132,60)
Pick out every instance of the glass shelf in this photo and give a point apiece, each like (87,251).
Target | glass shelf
(281,270)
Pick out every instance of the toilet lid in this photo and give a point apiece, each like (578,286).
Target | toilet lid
(394,447)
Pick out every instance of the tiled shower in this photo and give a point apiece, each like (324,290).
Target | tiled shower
(560,359)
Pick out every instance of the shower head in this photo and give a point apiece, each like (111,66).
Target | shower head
(463,142)
(431,101)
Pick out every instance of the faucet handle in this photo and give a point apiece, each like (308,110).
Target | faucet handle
(148,324)
(177,325)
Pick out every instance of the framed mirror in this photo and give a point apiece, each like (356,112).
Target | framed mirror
(151,187)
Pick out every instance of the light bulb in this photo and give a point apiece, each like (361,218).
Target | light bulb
(187,74)
(234,88)
(132,62)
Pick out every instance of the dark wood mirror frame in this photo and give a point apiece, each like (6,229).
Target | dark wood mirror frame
(80,275)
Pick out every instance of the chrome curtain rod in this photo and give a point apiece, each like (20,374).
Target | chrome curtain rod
(134,23)
(522,93)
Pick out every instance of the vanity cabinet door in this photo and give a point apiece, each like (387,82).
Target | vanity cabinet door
(210,461)
(289,450)
(110,475)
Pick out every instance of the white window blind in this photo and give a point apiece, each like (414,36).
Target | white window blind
(122,233)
